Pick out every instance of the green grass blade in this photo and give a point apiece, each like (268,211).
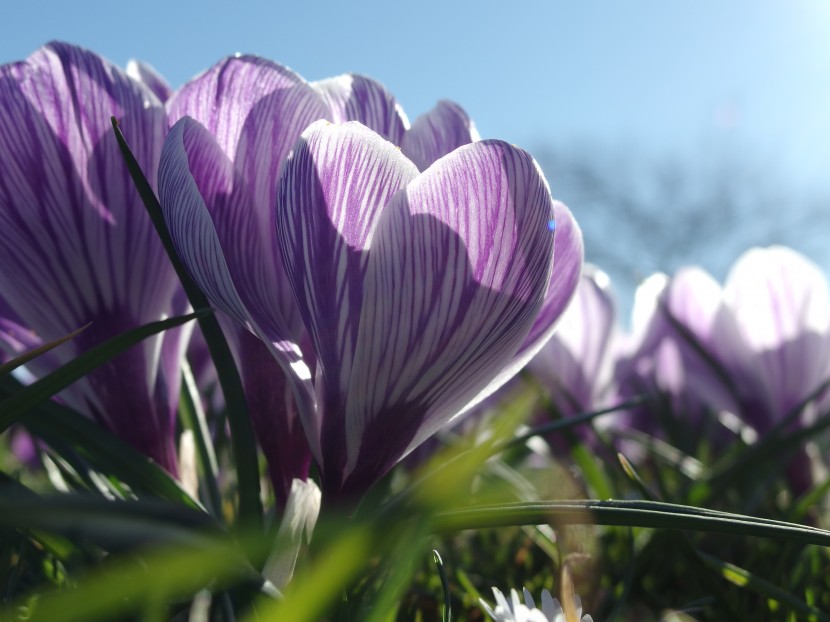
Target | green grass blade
(14,407)
(10,366)
(109,524)
(242,434)
(650,514)
(126,583)
(51,422)
(193,418)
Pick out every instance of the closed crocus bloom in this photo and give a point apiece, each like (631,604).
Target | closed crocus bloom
(781,303)
(76,245)
(683,339)
(252,110)
(416,291)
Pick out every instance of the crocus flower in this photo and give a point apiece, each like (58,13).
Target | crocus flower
(415,290)
(762,342)
(76,245)
(255,110)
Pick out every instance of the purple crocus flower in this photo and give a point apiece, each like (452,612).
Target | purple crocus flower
(416,290)
(76,245)
(256,110)
(766,339)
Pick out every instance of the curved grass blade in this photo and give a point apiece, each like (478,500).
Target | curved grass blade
(649,514)
(61,427)
(445,585)
(242,434)
(10,366)
(14,407)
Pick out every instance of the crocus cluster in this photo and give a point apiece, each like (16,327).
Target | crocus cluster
(374,278)
(719,362)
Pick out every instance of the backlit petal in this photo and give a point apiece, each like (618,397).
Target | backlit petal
(352,97)
(457,272)
(334,187)
(437,133)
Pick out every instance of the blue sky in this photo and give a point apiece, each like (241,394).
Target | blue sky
(698,78)
(662,76)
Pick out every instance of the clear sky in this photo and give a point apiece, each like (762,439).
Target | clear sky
(748,77)
(668,75)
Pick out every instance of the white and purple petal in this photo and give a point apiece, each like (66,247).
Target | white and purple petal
(353,97)
(576,363)
(152,79)
(334,187)
(256,110)
(437,133)
(76,245)
(196,187)
(457,273)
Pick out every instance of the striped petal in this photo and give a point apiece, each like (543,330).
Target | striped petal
(198,190)
(437,133)
(457,273)
(152,79)
(352,97)
(75,241)
(256,110)
(333,189)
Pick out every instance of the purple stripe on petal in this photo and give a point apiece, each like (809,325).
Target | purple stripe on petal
(457,272)
(437,133)
(352,97)
(148,76)
(333,189)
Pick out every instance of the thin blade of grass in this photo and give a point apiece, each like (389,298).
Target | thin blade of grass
(193,418)
(648,514)
(14,407)
(10,366)
(242,434)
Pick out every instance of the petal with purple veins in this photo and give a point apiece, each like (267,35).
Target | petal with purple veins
(437,133)
(457,272)
(334,187)
(352,97)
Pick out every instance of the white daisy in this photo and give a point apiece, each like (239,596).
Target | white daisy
(516,611)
